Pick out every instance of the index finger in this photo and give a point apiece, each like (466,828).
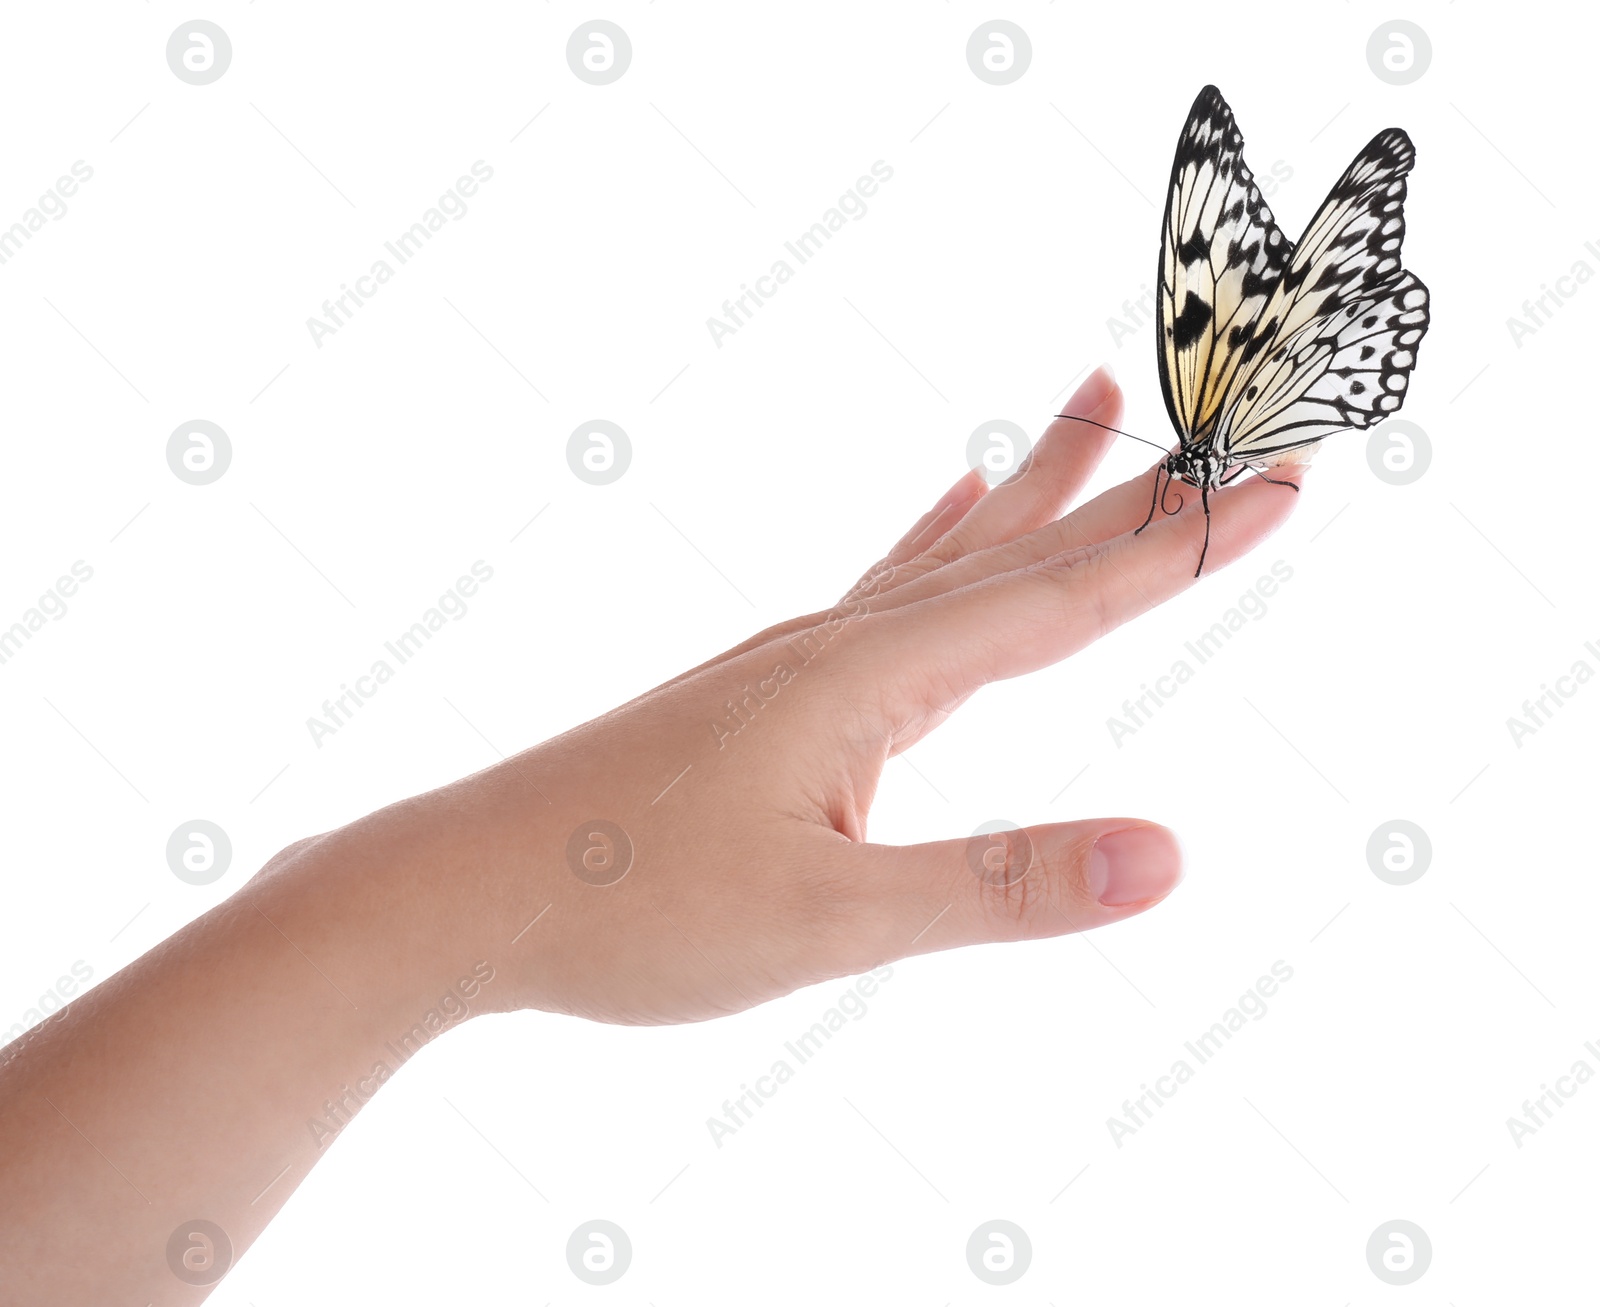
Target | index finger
(1022,620)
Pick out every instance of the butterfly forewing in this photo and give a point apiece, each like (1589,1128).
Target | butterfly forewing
(1222,257)
(1349,251)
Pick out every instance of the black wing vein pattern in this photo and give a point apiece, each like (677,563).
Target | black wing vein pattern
(1222,257)
(1267,348)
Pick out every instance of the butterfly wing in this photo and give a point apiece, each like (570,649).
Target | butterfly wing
(1222,258)
(1349,369)
(1335,344)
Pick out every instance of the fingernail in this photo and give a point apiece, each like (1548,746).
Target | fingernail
(1089,396)
(1134,866)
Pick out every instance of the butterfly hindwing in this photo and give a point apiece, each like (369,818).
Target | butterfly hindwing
(1222,257)
(1347,369)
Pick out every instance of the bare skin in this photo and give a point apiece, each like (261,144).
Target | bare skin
(185,1086)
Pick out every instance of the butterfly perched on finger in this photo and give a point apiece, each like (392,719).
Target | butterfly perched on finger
(1265,347)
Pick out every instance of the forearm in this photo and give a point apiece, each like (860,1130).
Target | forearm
(206,1079)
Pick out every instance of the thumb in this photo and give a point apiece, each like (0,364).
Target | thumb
(1017,883)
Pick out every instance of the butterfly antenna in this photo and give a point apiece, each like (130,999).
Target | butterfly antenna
(1073,417)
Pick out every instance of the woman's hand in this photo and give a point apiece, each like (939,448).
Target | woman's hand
(704,848)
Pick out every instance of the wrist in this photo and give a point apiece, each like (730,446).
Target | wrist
(427,906)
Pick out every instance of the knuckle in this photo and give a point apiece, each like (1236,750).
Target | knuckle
(949,547)
(1040,888)
(1082,579)
(871,581)
(1066,872)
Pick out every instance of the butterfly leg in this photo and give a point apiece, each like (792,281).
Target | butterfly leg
(1205,503)
(1155,494)
(1272,481)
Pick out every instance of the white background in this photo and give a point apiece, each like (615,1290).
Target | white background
(369,473)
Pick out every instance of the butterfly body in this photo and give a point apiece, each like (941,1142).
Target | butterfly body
(1197,467)
(1265,346)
